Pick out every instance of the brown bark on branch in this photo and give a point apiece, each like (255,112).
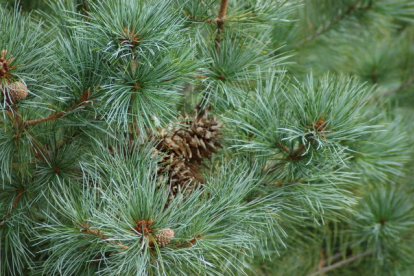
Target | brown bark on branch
(54,116)
(45,119)
(98,233)
(12,206)
(341,263)
(221,18)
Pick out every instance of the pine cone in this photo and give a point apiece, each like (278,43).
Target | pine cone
(18,91)
(182,176)
(194,139)
(164,237)
(204,137)
(185,145)
(172,141)
(15,92)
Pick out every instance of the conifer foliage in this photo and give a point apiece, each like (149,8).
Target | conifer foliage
(206,137)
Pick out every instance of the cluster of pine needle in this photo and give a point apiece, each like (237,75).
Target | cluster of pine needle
(206,137)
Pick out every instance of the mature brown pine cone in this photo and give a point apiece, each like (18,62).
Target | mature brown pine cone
(194,139)
(185,145)
(183,177)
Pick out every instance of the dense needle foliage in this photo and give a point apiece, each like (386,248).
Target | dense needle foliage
(206,137)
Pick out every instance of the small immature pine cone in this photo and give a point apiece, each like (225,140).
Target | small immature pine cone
(17,91)
(164,237)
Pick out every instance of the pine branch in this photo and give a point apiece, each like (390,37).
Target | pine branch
(220,21)
(61,113)
(98,233)
(331,24)
(198,20)
(341,263)
(46,119)
(221,17)
(335,257)
(406,84)
(13,206)
(85,8)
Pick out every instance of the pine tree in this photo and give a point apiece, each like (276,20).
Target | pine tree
(206,137)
